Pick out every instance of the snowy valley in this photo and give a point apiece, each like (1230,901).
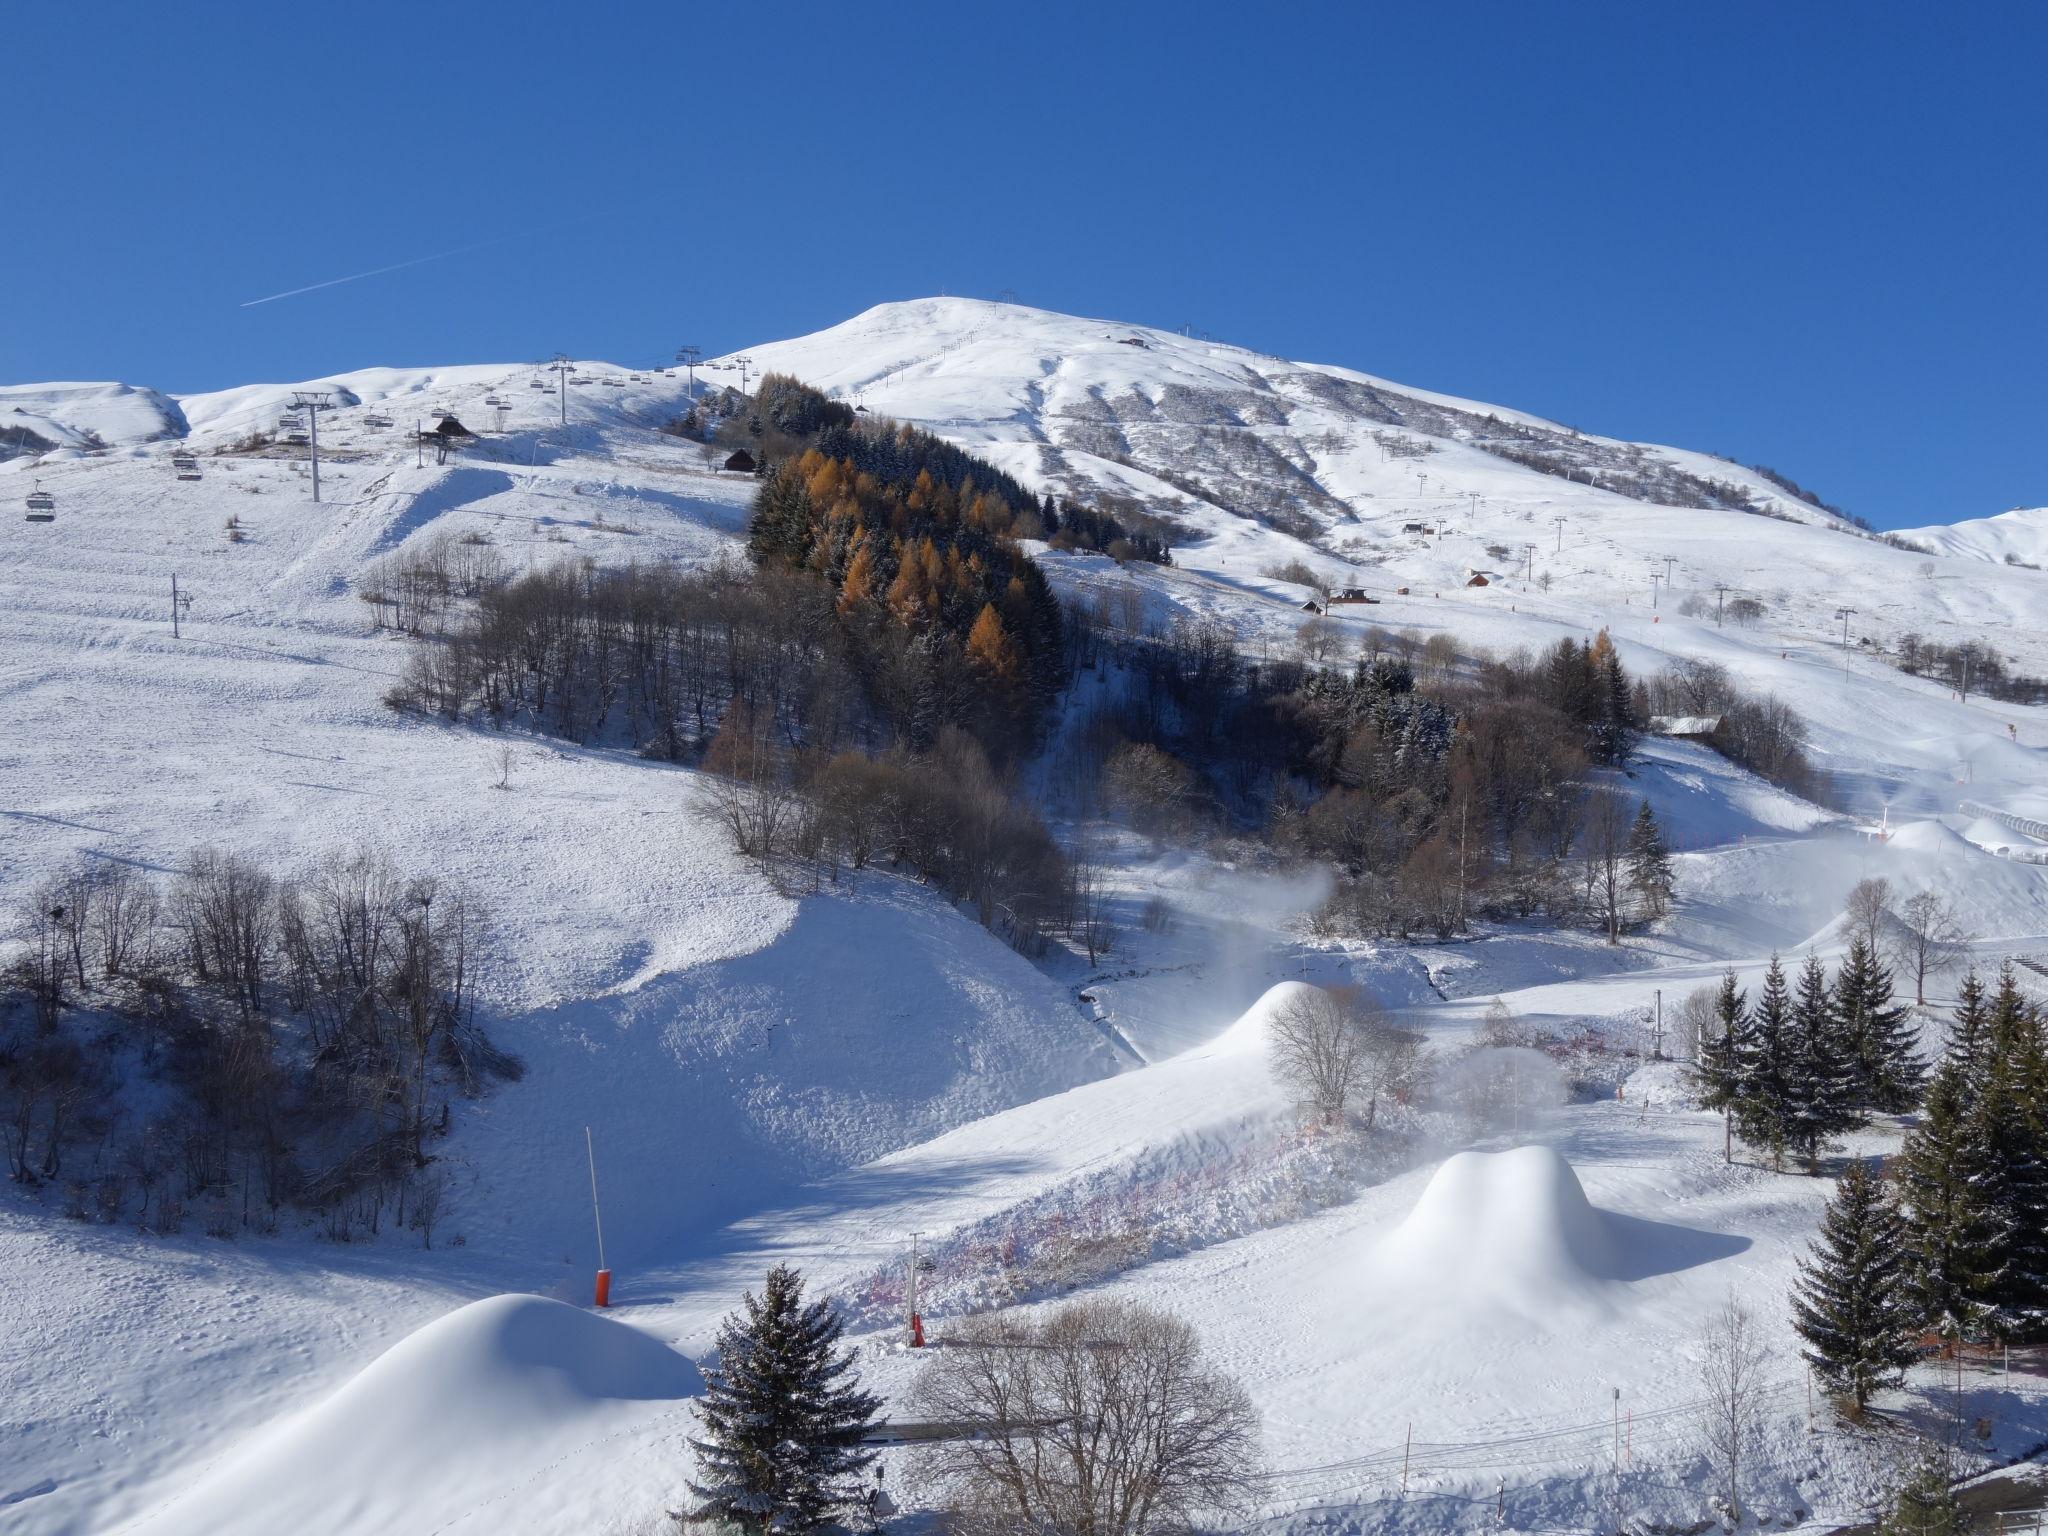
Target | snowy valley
(1486,1310)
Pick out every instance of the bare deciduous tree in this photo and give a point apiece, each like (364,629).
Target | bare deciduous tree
(1334,1048)
(1732,1363)
(1152,787)
(1102,1419)
(1316,638)
(1926,938)
(1695,1020)
(1867,912)
(1606,855)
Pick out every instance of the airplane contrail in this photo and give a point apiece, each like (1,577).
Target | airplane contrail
(356,277)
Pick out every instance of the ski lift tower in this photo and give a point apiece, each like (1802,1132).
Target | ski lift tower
(313,402)
(744,362)
(688,356)
(561,368)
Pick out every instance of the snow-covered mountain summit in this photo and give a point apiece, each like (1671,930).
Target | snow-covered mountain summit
(1304,446)
(1264,464)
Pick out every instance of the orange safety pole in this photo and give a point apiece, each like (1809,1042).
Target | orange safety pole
(604,1275)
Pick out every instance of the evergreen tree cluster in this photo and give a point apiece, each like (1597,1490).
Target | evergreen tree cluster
(1584,681)
(934,560)
(1068,525)
(895,453)
(1808,1061)
(1974,1184)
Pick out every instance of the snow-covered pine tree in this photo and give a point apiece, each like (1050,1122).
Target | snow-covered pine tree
(1851,1303)
(1772,1106)
(783,1416)
(2010,1146)
(1829,1106)
(1722,1070)
(1951,1231)
(1878,1033)
(1649,865)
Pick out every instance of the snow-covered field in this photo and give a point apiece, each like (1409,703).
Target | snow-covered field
(817,1077)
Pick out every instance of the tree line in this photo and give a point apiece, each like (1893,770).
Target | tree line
(1953,1240)
(1438,796)
(236,1042)
(1970,666)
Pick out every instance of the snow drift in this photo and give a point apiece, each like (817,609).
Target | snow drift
(463,1411)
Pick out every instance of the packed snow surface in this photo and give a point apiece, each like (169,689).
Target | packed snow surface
(490,1403)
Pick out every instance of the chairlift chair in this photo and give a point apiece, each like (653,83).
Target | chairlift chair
(42,506)
(536,383)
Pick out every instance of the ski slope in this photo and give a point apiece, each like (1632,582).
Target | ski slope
(816,1077)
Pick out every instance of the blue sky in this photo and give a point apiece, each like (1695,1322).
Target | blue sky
(1807,235)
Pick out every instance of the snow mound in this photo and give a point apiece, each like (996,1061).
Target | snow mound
(2018,535)
(448,1419)
(1253,1029)
(1514,1228)
(90,415)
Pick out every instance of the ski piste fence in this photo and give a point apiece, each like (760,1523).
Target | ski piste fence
(2027,826)
(1629,1464)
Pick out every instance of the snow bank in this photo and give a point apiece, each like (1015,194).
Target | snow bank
(459,1413)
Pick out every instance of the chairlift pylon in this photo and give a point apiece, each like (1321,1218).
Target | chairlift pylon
(42,506)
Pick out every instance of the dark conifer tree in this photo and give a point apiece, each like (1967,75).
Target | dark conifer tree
(1722,1071)
(1852,1304)
(1951,1229)
(1829,1106)
(1927,1504)
(783,1414)
(1877,1032)
(1770,1110)
(2006,1142)
(1649,864)
(1617,729)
